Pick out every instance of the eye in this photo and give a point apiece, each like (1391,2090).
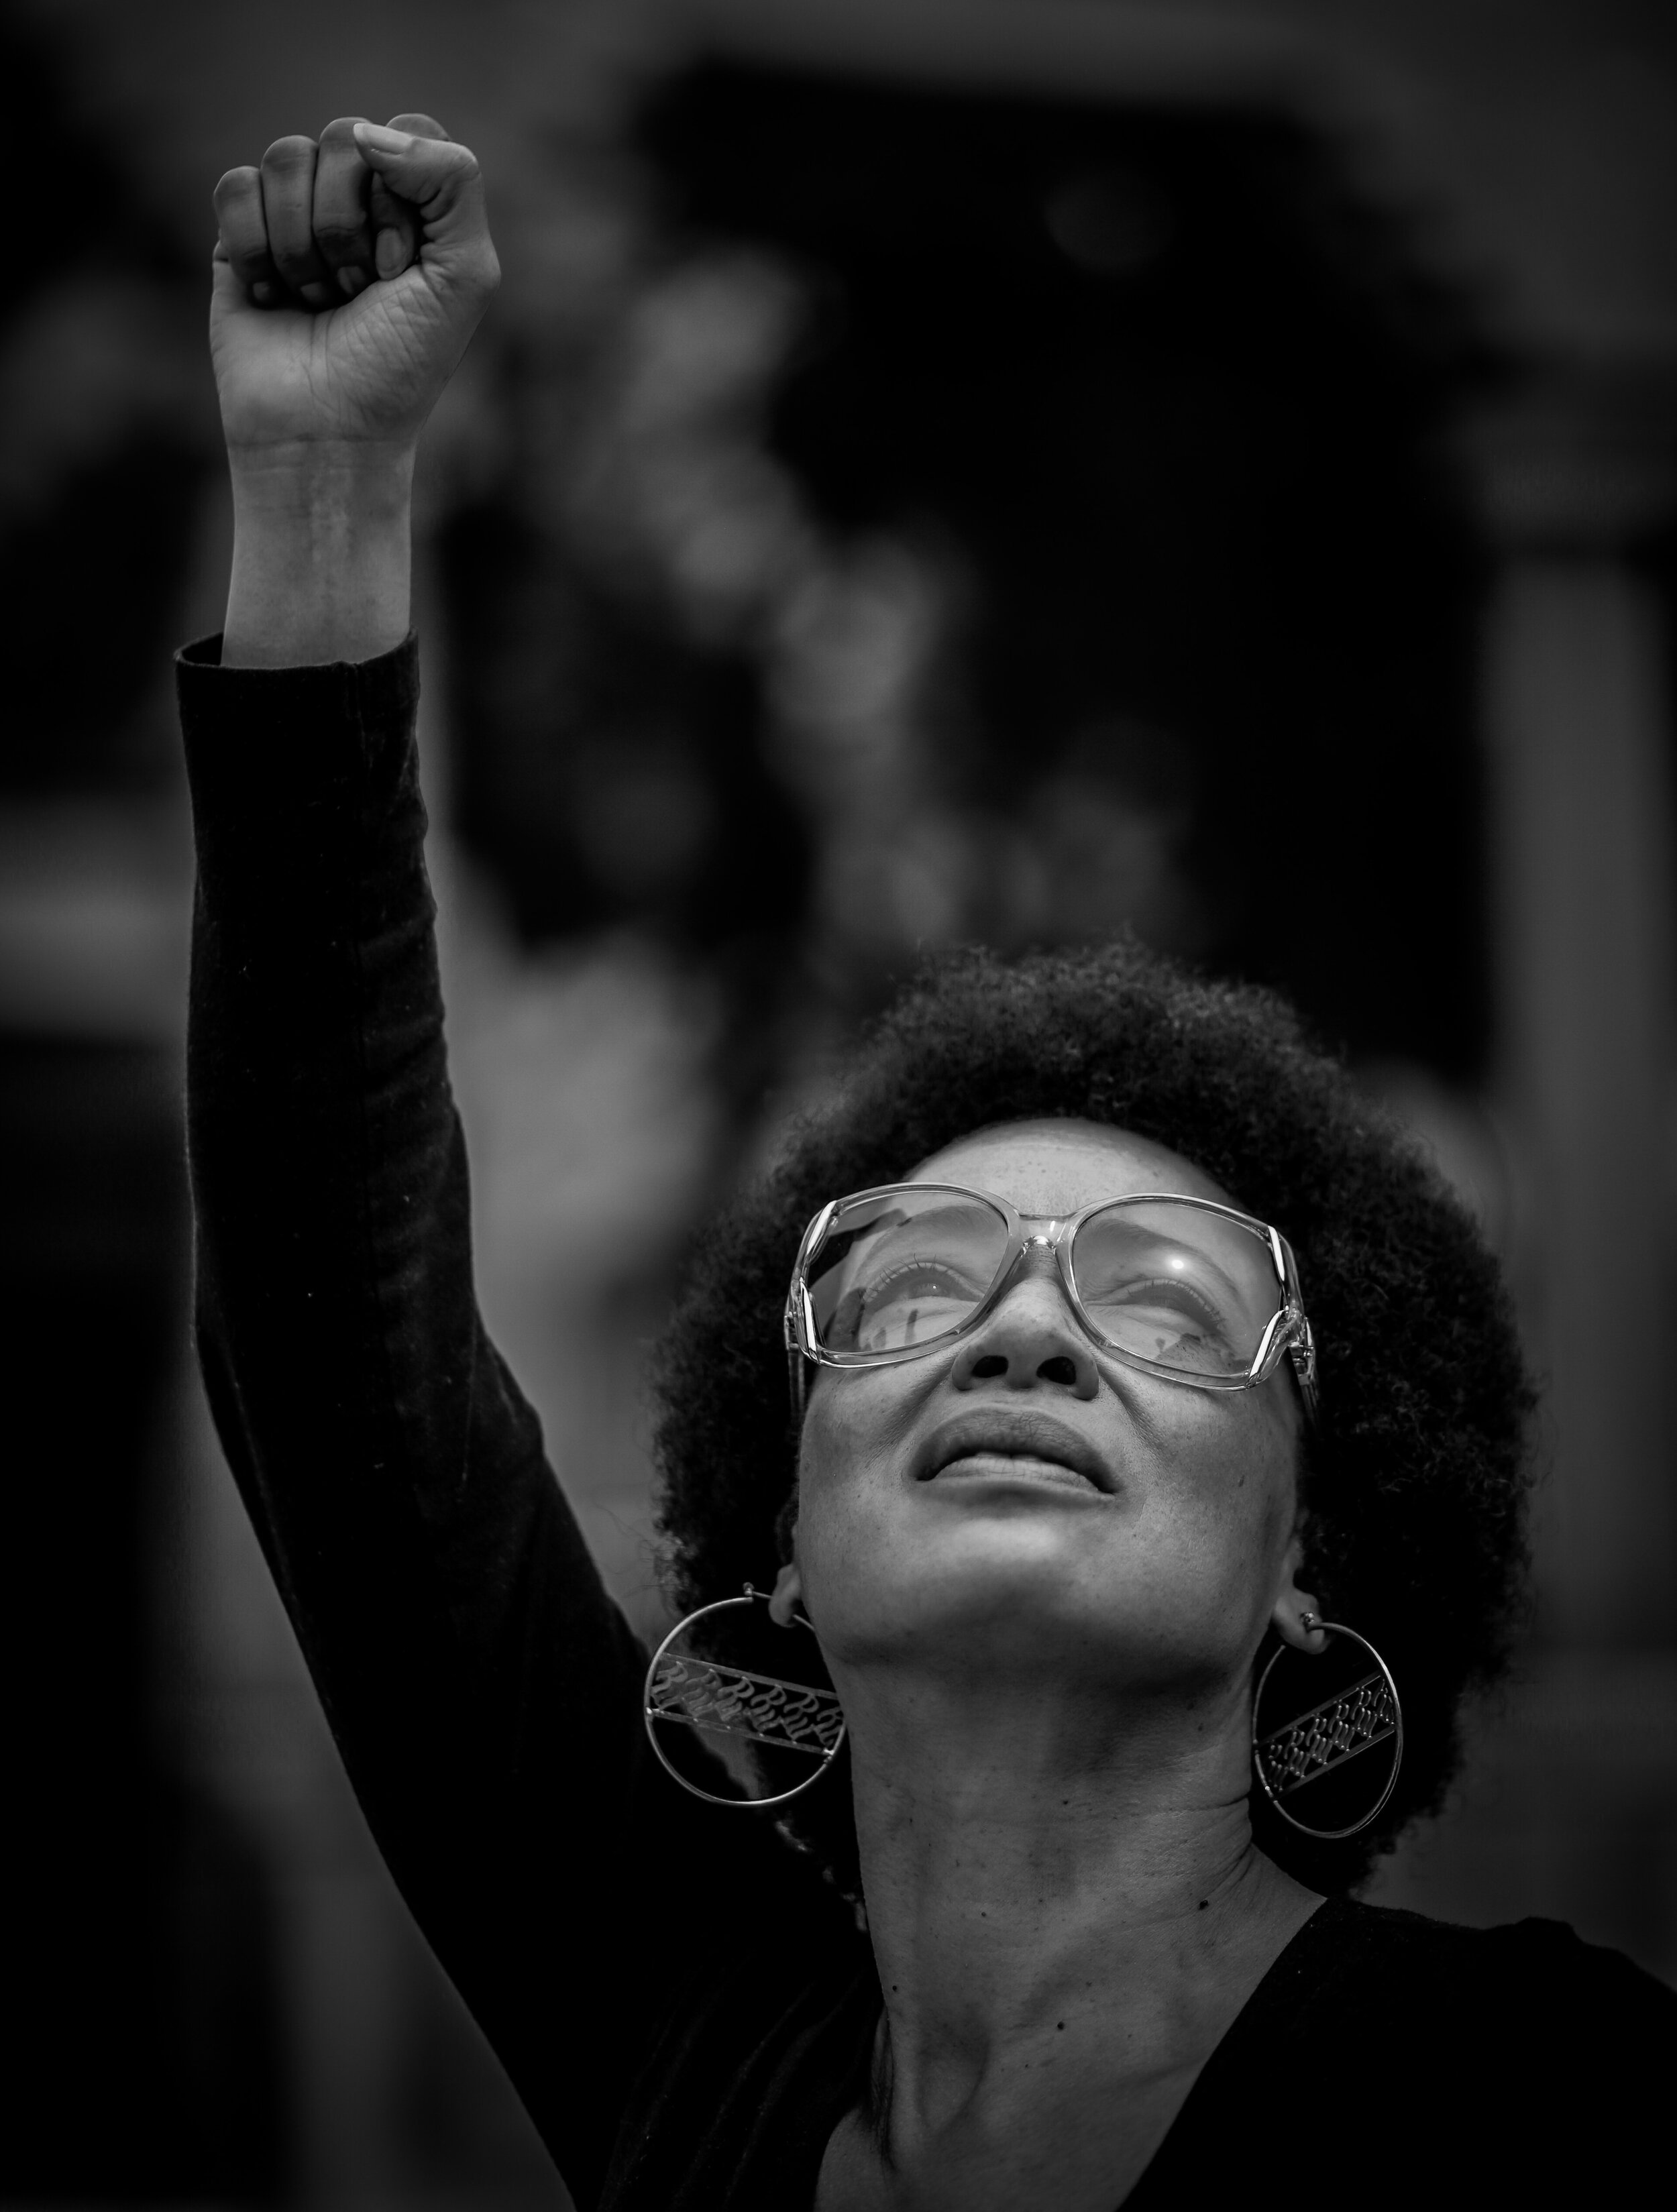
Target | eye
(1169,1309)
(915,1300)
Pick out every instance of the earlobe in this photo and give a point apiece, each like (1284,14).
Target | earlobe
(1296,1612)
(787,1590)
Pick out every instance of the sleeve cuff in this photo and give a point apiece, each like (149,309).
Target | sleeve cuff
(281,752)
(204,655)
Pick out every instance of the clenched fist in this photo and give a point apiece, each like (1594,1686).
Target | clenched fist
(351,272)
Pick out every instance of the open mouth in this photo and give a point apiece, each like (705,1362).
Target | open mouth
(1020,1447)
(1014,1467)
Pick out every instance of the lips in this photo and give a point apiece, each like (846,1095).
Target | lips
(999,1433)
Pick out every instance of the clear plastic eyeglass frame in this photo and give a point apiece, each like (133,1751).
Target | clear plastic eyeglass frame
(1287,1334)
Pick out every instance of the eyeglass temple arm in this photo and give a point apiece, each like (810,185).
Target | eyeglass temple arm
(1302,1353)
(797,1369)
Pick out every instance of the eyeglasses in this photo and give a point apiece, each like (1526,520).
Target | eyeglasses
(1181,1287)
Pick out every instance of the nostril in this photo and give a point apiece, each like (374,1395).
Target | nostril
(1059,1369)
(992,1363)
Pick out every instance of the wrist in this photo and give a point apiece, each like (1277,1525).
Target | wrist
(320,552)
(320,479)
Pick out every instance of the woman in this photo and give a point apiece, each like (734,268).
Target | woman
(1069,1467)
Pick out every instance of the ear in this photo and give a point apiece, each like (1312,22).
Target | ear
(1291,1601)
(787,1592)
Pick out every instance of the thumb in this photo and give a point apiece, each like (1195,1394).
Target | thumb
(435,187)
(395,225)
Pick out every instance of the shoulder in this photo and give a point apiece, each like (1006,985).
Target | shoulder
(1538,1973)
(1518,2056)
(1536,1982)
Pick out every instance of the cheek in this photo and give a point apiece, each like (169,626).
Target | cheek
(855,1421)
(1218,1489)
(1249,1514)
(855,1425)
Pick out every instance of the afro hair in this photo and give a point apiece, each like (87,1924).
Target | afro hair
(1414,1481)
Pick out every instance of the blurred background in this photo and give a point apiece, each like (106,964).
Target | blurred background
(934,471)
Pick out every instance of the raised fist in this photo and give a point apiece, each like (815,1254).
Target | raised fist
(351,273)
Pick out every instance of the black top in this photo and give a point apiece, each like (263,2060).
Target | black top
(685,2006)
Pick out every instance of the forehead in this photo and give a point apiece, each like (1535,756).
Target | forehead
(1054,1167)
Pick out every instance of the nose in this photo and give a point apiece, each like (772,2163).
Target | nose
(1029,1337)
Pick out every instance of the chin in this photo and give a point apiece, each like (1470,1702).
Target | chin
(997,1584)
(1009,1588)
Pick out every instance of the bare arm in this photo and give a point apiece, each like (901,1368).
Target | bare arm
(351,272)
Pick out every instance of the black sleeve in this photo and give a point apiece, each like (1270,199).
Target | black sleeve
(482,1688)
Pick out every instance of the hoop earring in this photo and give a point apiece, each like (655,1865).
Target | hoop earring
(733,1701)
(1320,1741)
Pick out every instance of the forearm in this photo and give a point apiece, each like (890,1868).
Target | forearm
(321,554)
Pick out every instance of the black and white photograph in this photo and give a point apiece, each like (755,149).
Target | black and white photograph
(838,1065)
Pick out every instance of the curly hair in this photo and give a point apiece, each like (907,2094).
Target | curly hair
(1414,1482)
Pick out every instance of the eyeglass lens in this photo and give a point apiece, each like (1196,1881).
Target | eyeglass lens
(1181,1288)
(903,1269)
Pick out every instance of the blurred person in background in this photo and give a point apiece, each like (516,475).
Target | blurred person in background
(1072,1480)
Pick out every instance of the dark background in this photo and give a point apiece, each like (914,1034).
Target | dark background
(933,472)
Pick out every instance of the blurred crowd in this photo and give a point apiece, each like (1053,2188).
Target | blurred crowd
(982,474)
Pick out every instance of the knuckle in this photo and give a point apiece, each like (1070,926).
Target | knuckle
(341,130)
(455,179)
(234,184)
(292,153)
(339,232)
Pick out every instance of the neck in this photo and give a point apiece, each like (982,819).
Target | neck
(1045,1879)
